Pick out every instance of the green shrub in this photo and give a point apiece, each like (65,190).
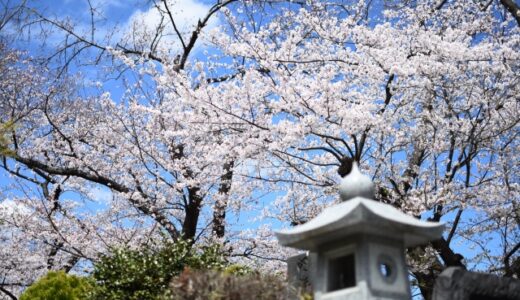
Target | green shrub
(145,273)
(58,286)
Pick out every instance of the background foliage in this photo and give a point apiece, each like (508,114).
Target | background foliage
(193,284)
(145,273)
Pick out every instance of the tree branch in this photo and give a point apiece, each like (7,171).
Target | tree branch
(513,8)
(9,294)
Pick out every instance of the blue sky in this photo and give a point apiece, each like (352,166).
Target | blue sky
(116,14)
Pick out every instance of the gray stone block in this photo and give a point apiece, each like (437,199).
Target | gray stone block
(458,284)
(298,271)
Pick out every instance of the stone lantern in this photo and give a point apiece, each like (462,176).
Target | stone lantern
(357,247)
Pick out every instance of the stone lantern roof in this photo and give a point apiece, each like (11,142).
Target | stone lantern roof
(359,216)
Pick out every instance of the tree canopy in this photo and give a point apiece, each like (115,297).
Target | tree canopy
(250,110)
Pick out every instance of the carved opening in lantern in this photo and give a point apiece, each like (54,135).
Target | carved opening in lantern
(342,273)
(387,268)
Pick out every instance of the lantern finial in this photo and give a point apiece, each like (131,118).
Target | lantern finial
(356,184)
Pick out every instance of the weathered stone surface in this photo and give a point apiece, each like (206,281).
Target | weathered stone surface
(298,270)
(458,284)
(298,274)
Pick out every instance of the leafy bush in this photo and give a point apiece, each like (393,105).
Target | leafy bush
(58,286)
(215,285)
(5,128)
(145,273)
(236,269)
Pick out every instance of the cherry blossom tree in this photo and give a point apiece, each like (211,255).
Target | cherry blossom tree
(48,220)
(160,165)
(422,94)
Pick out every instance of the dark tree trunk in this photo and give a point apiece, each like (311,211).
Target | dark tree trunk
(426,279)
(219,214)
(189,226)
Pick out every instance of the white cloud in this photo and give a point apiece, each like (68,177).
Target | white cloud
(101,6)
(142,25)
(100,194)
(111,3)
(9,207)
